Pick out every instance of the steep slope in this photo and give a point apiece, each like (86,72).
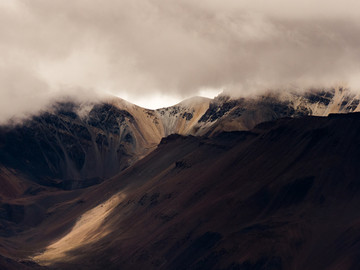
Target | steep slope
(285,195)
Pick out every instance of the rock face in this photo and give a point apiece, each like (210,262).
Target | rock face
(78,145)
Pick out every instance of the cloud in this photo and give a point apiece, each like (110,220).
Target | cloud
(157,47)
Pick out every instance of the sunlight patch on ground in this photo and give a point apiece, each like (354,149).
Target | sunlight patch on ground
(88,229)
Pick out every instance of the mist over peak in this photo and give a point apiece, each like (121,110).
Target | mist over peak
(138,49)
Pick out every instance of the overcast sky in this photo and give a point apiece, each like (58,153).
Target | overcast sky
(156,52)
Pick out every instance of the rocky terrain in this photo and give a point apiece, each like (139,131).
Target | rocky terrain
(263,182)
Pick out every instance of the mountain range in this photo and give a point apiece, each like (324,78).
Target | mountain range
(260,182)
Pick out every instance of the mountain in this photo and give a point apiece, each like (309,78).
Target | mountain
(76,145)
(284,195)
(231,114)
(69,148)
(246,183)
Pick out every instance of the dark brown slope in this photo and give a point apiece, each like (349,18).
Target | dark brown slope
(284,196)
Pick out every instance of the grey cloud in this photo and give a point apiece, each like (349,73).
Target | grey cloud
(175,48)
(22,92)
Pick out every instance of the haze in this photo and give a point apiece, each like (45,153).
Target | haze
(157,52)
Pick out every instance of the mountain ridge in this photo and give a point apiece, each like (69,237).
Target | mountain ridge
(74,145)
